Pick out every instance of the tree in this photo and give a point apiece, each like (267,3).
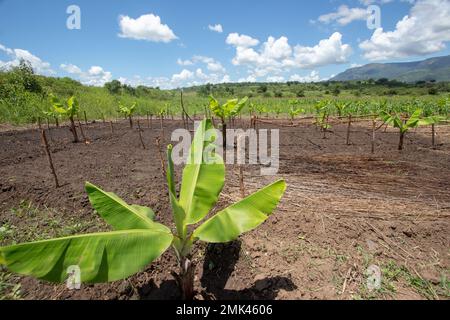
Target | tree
(113,87)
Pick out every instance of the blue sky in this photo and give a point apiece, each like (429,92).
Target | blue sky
(169,43)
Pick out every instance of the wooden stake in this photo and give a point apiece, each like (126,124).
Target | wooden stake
(374,128)
(433,135)
(140,134)
(241,181)
(148,121)
(85,117)
(161,157)
(348,129)
(82,132)
(39,123)
(162,127)
(49,156)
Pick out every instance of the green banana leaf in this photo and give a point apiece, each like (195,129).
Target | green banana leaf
(119,214)
(178,213)
(202,182)
(431,120)
(246,215)
(101,257)
(414,119)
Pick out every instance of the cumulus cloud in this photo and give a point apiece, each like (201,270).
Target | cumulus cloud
(344,15)
(182,76)
(16,55)
(242,41)
(276,56)
(425,30)
(95,76)
(184,62)
(328,51)
(216,28)
(147,27)
(275,79)
(312,77)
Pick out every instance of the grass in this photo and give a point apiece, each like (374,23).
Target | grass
(41,223)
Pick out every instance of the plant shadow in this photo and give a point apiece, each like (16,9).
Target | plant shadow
(218,266)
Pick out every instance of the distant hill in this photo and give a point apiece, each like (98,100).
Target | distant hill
(431,69)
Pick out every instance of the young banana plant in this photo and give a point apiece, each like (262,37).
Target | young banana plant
(128,112)
(230,109)
(404,126)
(137,238)
(293,112)
(432,120)
(322,114)
(69,110)
(342,107)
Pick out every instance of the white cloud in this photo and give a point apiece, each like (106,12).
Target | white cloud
(184,62)
(277,56)
(70,68)
(328,51)
(182,76)
(211,64)
(241,41)
(95,76)
(312,77)
(16,55)
(275,79)
(216,28)
(248,79)
(424,31)
(146,27)
(344,15)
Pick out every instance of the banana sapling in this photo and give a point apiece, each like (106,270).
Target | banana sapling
(137,238)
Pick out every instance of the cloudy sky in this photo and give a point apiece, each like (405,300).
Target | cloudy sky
(180,43)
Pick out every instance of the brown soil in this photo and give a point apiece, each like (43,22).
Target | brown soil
(344,210)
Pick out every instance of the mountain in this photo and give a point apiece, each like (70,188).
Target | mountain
(431,69)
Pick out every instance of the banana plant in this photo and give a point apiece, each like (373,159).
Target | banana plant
(128,112)
(322,114)
(69,109)
(403,125)
(341,107)
(432,120)
(137,238)
(293,112)
(277,111)
(52,114)
(230,109)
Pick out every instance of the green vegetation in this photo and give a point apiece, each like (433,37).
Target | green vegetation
(226,111)
(404,125)
(69,110)
(128,112)
(138,239)
(25,96)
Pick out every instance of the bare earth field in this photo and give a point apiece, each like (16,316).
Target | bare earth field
(344,210)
